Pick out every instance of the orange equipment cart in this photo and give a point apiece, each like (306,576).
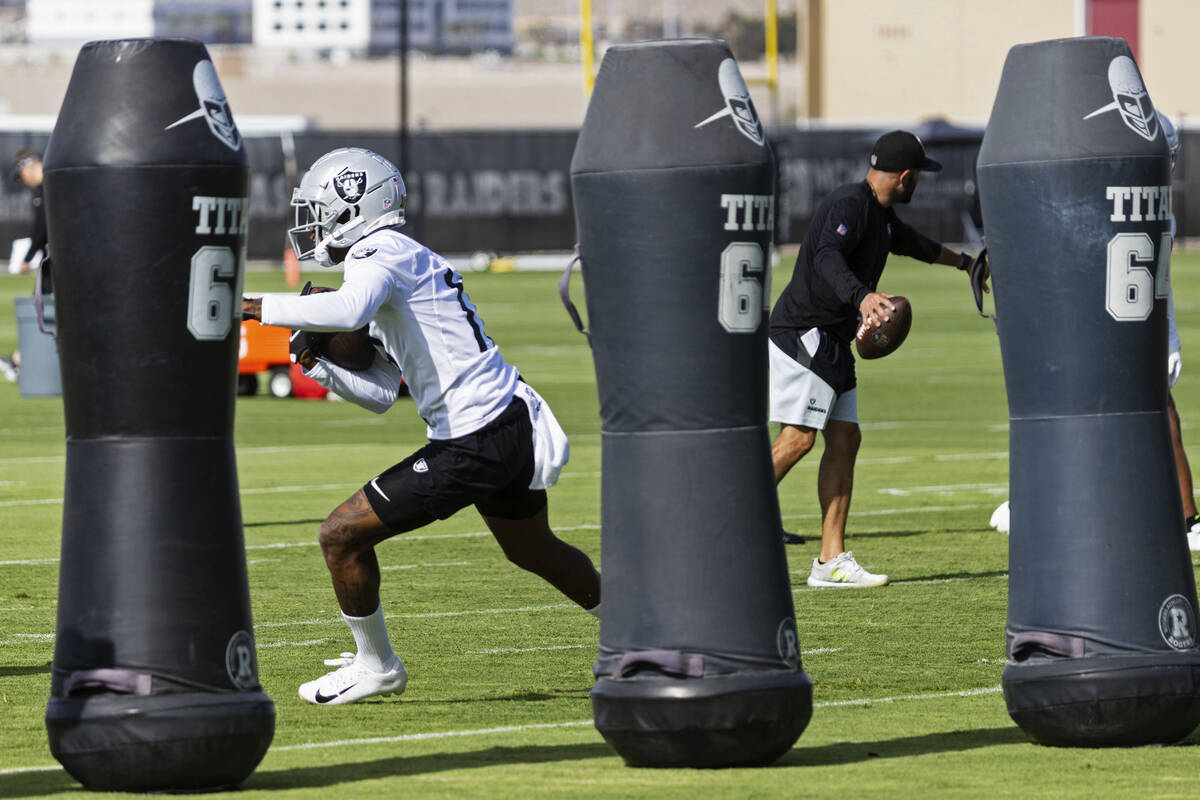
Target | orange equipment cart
(264,348)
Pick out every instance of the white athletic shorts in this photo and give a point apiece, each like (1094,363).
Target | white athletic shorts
(799,397)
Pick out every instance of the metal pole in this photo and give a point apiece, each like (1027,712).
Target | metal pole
(771,35)
(587,46)
(404,160)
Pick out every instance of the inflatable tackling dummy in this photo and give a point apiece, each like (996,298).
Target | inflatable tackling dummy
(699,661)
(1074,182)
(155,682)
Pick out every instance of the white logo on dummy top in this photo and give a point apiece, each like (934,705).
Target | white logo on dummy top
(1130,99)
(738,104)
(214,108)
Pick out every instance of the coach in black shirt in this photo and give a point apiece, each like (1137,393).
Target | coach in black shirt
(815,319)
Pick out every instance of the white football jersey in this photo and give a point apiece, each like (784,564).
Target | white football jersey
(417,307)
(1174,344)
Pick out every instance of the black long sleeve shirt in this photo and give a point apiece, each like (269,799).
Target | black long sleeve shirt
(841,259)
(38,232)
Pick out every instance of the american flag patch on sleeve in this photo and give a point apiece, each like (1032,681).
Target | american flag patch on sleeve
(841,229)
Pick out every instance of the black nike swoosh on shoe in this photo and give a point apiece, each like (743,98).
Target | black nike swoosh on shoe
(325,698)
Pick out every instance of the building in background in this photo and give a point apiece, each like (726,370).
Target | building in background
(210,21)
(455,27)
(461,26)
(62,22)
(873,60)
(320,25)
(73,22)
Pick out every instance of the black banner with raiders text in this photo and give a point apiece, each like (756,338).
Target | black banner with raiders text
(509,191)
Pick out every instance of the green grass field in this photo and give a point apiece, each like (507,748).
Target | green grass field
(907,698)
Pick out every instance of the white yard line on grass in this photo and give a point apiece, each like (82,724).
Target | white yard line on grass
(933,696)
(952,488)
(512,650)
(913,582)
(417,737)
(428,615)
(48,501)
(888,512)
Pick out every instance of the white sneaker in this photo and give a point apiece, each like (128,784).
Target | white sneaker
(843,572)
(8,369)
(999,519)
(352,682)
(1193,537)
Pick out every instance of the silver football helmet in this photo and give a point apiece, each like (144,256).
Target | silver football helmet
(1171,135)
(345,195)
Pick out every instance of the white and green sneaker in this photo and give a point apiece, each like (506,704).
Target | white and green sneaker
(843,572)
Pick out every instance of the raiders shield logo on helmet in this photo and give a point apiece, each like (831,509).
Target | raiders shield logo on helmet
(350,185)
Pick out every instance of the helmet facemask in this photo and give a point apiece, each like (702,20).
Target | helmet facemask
(346,195)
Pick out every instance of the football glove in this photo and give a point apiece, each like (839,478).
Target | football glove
(301,341)
(1174,367)
(979,271)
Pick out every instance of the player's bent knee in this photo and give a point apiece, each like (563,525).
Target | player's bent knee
(336,537)
(795,441)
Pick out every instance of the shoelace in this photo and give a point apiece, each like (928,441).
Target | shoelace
(346,674)
(849,566)
(345,660)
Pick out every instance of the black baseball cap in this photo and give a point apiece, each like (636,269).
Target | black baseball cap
(897,151)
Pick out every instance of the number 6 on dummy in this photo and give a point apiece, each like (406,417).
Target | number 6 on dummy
(699,659)
(1074,183)
(155,682)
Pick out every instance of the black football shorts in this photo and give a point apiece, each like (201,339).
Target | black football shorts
(490,468)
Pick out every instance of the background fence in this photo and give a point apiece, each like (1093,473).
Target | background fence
(509,191)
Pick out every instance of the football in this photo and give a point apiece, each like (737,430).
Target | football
(877,341)
(351,350)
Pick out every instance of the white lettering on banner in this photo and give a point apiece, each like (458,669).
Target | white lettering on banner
(219,216)
(748,212)
(491,193)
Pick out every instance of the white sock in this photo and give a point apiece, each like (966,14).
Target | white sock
(594,611)
(370,634)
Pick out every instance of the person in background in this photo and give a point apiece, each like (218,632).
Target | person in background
(833,287)
(27,168)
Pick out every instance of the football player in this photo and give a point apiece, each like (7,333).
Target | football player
(493,441)
(1191,522)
